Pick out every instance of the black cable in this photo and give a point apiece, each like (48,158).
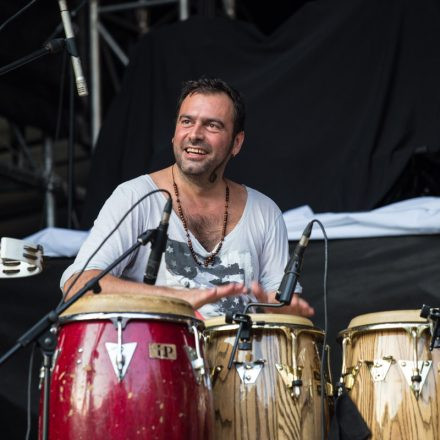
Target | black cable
(17,14)
(60,98)
(108,236)
(29,392)
(324,342)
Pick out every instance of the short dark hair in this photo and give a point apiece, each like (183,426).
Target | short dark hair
(212,86)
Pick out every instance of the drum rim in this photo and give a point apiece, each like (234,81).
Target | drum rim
(267,325)
(130,303)
(353,331)
(273,319)
(102,316)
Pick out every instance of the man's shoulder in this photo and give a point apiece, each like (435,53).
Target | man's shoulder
(262,200)
(140,185)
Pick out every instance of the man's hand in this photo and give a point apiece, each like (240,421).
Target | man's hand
(298,306)
(199,297)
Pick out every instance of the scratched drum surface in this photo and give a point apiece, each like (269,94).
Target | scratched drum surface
(392,376)
(155,394)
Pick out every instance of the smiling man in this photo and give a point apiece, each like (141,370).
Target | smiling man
(227,242)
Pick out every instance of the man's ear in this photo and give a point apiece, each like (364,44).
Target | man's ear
(238,142)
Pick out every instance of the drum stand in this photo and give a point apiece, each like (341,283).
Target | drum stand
(44,331)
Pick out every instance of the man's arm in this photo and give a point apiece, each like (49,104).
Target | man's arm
(196,297)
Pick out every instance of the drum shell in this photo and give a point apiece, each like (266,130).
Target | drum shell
(156,399)
(389,406)
(266,409)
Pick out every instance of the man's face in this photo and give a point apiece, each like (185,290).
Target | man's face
(203,136)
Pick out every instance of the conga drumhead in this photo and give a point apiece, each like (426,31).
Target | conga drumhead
(263,318)
(129,303)
(387,317)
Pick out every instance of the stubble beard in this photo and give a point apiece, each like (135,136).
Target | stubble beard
(196,170)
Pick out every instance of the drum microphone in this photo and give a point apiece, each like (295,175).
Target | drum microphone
(286,290)
(158,246)
(80,80)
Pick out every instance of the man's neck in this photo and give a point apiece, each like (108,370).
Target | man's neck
(199,186)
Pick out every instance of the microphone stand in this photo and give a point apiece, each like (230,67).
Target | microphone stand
(44,331)
(52,47)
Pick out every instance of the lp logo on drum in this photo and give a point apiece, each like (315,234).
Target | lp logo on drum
(162,351)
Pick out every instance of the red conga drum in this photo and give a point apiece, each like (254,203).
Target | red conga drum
(130,367)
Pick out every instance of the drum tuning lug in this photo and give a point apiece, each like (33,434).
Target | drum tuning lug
(415,374)
(197,363)
(291,378)
(215,373)
(350,377)
(329,390)
(120,354)
(196,359)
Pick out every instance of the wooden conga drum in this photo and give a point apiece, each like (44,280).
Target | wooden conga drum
(273,390)
(391,375)
(130,367)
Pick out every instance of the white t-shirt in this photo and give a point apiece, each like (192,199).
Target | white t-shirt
(256,249)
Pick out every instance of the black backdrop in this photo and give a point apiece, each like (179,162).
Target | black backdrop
(339,98)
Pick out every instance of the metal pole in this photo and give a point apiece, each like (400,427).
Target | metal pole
(95,71)
(230,7)
(48,173)
(183,10)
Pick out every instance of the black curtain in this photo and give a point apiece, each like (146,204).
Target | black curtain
(338,100)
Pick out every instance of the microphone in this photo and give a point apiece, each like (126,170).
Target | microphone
(286,290)
(80,80)
(158,246)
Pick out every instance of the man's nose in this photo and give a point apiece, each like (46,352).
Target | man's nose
(196,132)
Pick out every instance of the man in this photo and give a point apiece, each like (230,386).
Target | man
(227,243)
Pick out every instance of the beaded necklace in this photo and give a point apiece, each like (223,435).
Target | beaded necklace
(210,258)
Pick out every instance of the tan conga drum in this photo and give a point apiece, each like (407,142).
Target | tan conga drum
(391,375)
(273,390)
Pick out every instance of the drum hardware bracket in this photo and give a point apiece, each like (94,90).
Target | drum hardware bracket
(291,378)
(329,390)
(245,327)
(120,354)
(433,314)
(249,371)
(415,374)
(196,359)
(197,363)
(243,337)
(379,367)
(349,379)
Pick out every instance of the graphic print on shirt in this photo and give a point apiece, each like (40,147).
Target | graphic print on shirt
(182,270)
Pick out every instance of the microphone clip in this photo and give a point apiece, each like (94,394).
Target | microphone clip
(147,236)
(432,314)
(243,336)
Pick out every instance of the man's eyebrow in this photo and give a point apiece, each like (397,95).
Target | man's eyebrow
(217,121)
(183,116)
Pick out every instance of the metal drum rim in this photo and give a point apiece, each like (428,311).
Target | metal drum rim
(101,316)
(353,331)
